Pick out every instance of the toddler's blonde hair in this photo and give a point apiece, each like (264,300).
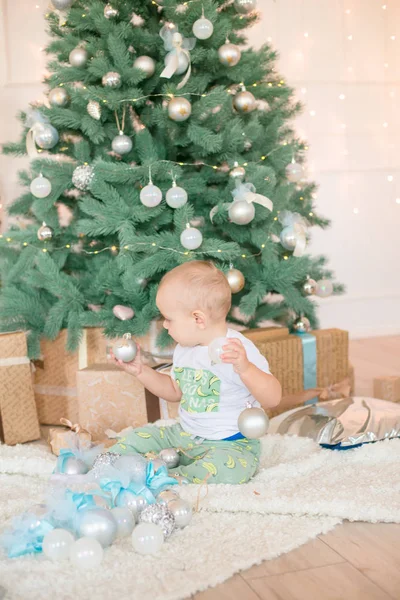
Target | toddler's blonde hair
(203,287)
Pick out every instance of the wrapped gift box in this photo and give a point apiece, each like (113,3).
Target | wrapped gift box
(387,388)
(18,416)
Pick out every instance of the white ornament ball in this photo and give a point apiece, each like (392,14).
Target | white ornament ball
(122,144)
(82,177)
(145,64)
(302,325)
(191,238)
(57,544)
(203,29)
(236,280)
(97,523)
(74,466)
(215,349)
(40,187)
(110,12)
(59,97)
(111,79)
(86,553)
(78,57)
(62,4)
(147,538)
(241,212)
(125,349)
(45,233)
(294,172)
(124,519)
(253,423)
(244,102)
(288,238)
(183,62)
(179,109)
(324,288)
(182,511)
(229,54)
(46,136)
(150,195)
(176,197)
(245,6)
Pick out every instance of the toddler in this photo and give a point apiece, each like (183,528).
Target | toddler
(194,300)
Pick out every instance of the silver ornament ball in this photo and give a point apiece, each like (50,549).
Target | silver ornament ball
(309,287)
(176,197)
(124,519)
(111,79)
(302,325)
(191,238)
(102,463)
(294,172)
(62,4)
(288,238)
(182,511)
(145,64)
(203,29)
(78,57)
(40,187)
(94,109)
(97,523)
(122,144)
(244,102)
(241,212)
(58,97)
(324,288)
(46,136)
(236,280)
(170,456)
(130,500)
(237,172)
(179,109)
(253,423)
(45,233)
(150,195)
(245,6)
(125,349)
(183,62)
(229,54)
(110,12)
(74,466)
(82,177)
(160,515)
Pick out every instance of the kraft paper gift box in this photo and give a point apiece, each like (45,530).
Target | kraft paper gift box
(18,416)
(387,388)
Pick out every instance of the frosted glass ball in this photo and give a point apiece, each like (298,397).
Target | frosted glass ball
(288,238)
(191,238)
(324,288)
(203,29)
(241,212)
(294,172)
(145,64)
(122,144)
(97,523)
(86,553)
(57,544)
(40,187)
(150,195)
(183,62)
(215,350)
(176,197)
(147,538)
(78,57)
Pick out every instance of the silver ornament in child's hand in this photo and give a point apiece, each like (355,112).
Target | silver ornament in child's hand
(253,422)
(125,349)
(215,349)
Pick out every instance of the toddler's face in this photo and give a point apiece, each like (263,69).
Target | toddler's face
(181,325)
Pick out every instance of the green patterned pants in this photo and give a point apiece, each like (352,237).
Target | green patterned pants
(218,461)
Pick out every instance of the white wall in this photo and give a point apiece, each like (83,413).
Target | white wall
(328,48)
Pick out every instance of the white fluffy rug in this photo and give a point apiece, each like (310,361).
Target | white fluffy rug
(300,492)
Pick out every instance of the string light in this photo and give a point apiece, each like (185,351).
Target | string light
(390,178)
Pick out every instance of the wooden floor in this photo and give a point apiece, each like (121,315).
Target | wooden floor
(356,561)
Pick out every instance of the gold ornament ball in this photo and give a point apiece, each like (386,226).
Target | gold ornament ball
(45,233)
(245,7)
(145,64)
(78,57)
(58,97)
(179,109)
(244,102)
(310,287)
(229,54)
(236,280)
(241,212)
(110,12)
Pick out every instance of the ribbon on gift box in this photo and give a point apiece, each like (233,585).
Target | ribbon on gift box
(309,346)
(14,360)
(334,391)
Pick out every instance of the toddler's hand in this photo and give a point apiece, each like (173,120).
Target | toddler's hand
(134,367)
(235,354)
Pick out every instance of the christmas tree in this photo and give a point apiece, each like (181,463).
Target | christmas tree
(164,140)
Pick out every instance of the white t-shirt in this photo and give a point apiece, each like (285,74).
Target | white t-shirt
(213,396)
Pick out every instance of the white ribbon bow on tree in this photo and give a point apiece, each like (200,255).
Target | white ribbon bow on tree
(247,192)
(299,226)
(176,44)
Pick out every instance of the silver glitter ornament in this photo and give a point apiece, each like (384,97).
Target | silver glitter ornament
(245,6)
(170,456)
(160,515)
(82,177)
(130,500)
(244,102)
(236,280)
(237,172)
(111,79)
(145,64)
(122,144)
(46,136)
(229,54)
(98,523)
(310,287)
(125,349)
(45,233)
(62,4)
(78,57)
(253,422)
(241,212)
(94,109)
(166,496)
(74,466)
(182,511)
(302,325)
(59,97)
(110,12)
(102,462)
(179,109)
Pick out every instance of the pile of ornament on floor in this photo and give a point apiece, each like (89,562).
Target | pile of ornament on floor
(87,510)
